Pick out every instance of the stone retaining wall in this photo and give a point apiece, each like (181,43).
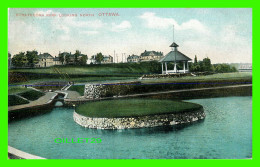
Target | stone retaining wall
(93,91)
(138,122)
(96,91)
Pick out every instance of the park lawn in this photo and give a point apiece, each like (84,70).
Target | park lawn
(15,100)
(214,77)
(31,94)
(134,108)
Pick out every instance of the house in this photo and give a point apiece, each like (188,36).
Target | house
(92,60)
(107,59)
(133,58)
(72,58)
(151,56)
(57,61)
(45,60)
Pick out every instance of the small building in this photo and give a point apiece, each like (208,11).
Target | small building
(107,59)
(92,60)
(245,67)
(151,56)
(133,58)
(175,57)
(57,61)
(45,60)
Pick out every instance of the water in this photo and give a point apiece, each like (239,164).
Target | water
(225,133)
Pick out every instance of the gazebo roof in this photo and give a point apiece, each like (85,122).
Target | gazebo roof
(170,57)
(174,45)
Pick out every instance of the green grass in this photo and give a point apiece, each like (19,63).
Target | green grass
(219,76)
(103,69)
(78,88)
(78,80)
(134,108)
(15,100)
(16,89)
(31,94)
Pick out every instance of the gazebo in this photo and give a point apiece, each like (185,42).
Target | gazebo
(176,57)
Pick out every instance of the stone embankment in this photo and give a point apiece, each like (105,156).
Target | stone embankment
(96,91)
(139,122)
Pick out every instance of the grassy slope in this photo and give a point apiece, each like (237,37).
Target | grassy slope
(15,90)
(31,94)
(104,69)
(134,107)
(15,100)
(78,88)
(88,73)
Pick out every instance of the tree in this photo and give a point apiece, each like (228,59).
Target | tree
(67,58)
(19,60)
(222,68)
(76,57)
(61,58)
(195,60)
(32,58)
(83,60)
(99,58)
(206,63)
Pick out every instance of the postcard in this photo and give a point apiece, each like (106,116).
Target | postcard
(130,83)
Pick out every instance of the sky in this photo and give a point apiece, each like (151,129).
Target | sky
(222,34)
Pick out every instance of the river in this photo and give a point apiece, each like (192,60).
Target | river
(226,133)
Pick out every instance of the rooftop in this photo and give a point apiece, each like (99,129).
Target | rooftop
(148,53)
(173,56)
(45,56)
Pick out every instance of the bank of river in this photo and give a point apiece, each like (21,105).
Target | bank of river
(225,133)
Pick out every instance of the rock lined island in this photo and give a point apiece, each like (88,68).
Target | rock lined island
(136,113)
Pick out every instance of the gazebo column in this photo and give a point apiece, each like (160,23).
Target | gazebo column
(162,68)
(184,67)
(175,68)
(166,68)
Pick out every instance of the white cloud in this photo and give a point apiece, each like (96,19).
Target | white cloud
(65,37)
(153,21)
(19,31)
(95,24)
(156,22)
(223,46)
(193,24)
(123,26)
(90,32)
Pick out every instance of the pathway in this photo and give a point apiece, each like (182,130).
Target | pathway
(72,95)
(46,99)
(161,92)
